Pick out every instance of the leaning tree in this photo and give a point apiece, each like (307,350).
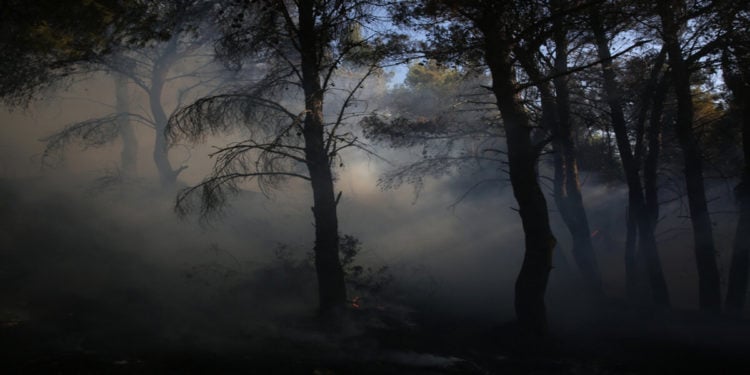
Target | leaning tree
(46,41)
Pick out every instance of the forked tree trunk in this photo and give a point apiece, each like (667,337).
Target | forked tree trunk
(705,254)
(129,153)
(331,285)
(532,281)
(636,204)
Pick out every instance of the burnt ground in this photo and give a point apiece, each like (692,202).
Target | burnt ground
(617,342)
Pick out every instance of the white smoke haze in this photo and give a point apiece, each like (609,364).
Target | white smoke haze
(116,259)
(479,237)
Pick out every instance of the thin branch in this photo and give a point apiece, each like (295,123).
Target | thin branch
(344,105)
(579,68)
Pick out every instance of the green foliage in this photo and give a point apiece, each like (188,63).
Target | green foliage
(444,111)
(720,133)
(432,75)
(266,30)
(47,40)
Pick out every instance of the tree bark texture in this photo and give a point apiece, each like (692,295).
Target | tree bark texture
(705,254)
(331,285)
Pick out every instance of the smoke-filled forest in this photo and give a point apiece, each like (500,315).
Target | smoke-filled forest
(374,187)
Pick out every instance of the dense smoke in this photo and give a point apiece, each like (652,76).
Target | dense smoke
(70,233)
(89,255)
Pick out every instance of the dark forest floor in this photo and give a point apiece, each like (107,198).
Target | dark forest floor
(74,301)
(677,342)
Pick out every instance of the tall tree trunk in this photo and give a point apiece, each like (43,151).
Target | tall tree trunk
(646,102)
(129,153)
(651,162)
(738,81)
(570,195)
(331,285)
(649,102)
(631,256)
(705,254)
(636,204)
(167,175)
(577,227)
(531,283)
(652,100)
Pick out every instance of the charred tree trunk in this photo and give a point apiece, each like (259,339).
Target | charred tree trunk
(531,283)
(331,286)
(129,153)
(570,194)
(636,205)
(705,254)
(738,81)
